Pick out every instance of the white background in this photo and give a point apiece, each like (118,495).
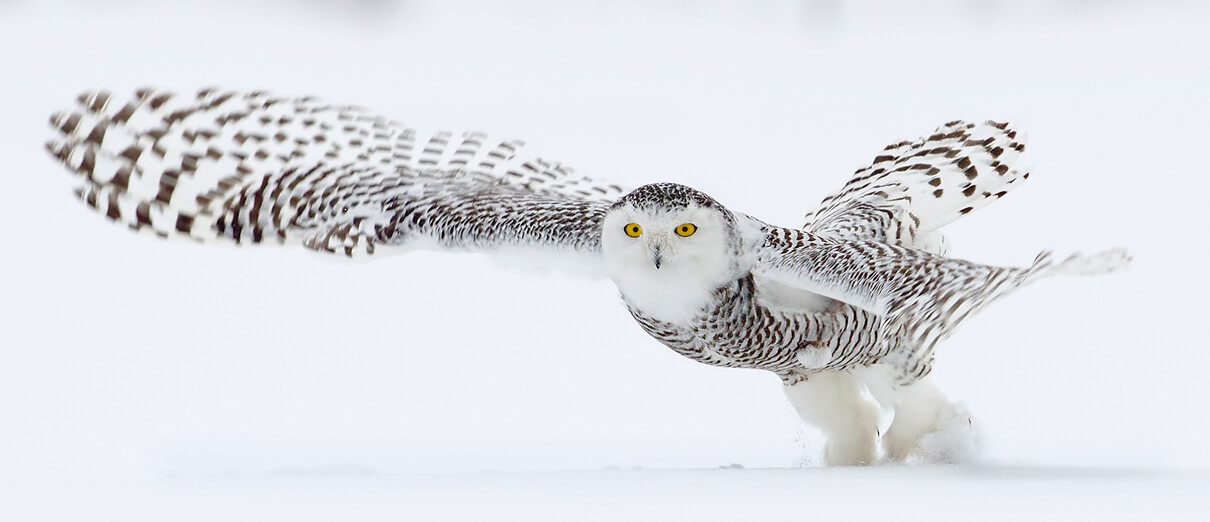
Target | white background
(144,379)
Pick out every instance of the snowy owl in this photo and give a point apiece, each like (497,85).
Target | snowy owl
(855,300)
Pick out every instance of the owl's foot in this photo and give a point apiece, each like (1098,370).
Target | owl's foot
(957,439)
(856,446)
(927,427)
(834,403)
(944,434)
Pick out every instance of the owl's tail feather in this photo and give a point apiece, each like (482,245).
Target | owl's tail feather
(1078,264)
(924,320)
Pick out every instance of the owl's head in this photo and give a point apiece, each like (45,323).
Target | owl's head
(667,242)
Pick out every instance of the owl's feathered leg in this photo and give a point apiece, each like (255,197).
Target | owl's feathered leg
(834,403)
(927,427)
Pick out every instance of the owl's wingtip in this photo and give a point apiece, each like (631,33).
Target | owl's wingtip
(1104,262)
(56,148)
(65,122)
(94,101)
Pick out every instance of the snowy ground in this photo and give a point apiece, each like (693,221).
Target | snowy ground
(986,493)
(148,380)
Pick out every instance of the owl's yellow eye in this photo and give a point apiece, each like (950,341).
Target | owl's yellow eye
(634,230)
(686,230)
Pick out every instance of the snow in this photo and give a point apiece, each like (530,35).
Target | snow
(984,493)
(151,380)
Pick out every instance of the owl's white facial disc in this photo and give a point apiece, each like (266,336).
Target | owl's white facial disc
(666,274)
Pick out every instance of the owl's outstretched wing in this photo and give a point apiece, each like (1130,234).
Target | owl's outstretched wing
(913,188)
(252,168)
(921,297)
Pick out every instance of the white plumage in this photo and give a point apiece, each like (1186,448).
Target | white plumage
(856,299)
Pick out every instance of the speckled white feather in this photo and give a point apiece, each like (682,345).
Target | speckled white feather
(861,286)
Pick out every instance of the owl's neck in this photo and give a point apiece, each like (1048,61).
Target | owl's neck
(670,295)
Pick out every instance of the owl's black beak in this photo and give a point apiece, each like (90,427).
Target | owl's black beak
(657,257)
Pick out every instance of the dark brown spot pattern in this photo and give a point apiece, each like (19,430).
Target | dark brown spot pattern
(250,168)
(936,179)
